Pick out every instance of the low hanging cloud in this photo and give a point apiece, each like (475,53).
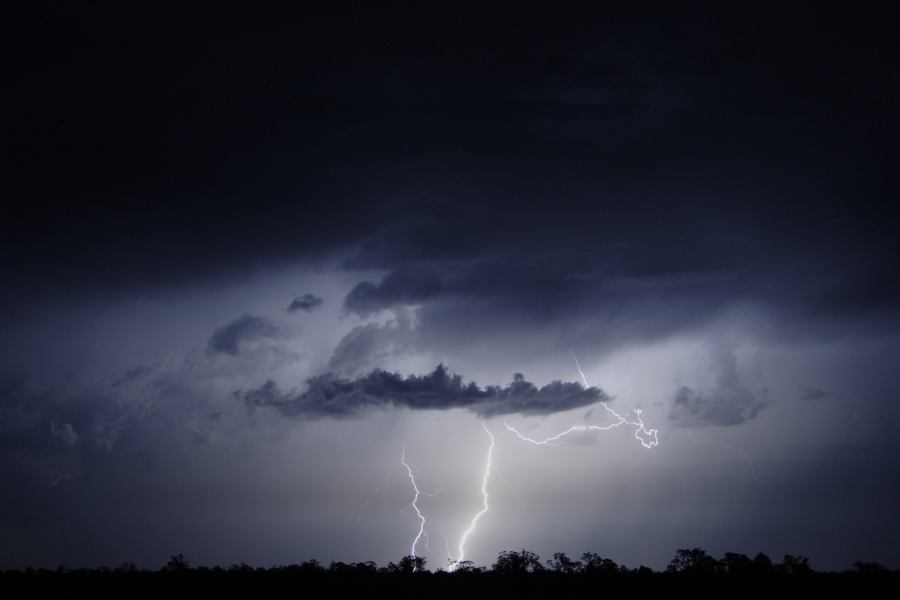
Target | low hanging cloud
(693,408)
(408,285)
(228,338)
(330,396)
(306,302)
(728,402)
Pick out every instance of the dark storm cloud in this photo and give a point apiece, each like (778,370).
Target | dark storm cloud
(598,295)
(728,402)
(431,232)
(46,421)
(638,274)
(593,180)
(692,408)
(523,283)
(46,433)
(692,265)
(407,285)
(306,302)
(556,120)
(228,338)
(329,396)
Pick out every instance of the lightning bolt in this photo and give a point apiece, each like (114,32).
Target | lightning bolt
(553,438)
(414,504)
(461,550)
(636,422)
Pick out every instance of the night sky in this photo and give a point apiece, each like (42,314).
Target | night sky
(251,260)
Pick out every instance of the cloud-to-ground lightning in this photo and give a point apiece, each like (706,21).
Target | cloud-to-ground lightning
(414,504)
(422,532)
(638,423)
(647,438)
(461,549)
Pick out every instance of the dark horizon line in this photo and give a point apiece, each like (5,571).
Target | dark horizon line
(687,561)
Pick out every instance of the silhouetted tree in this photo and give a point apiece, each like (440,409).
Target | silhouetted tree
(736,564)
(178,562)
(311,566)
(240,568)
(464,566)
(870,568)
(694,561)
(341,568)
(595,564)
(762,565)
(560,563)
(511,562)
(794,565)
(367,567)
(408,564)
(126,567)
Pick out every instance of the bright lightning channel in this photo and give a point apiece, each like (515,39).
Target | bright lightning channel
(414,504)
(485,505)
(649,441)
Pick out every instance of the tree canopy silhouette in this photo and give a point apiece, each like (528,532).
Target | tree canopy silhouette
(515,572)
(510,562)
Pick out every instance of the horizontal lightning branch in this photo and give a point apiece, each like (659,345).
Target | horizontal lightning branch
(647,437)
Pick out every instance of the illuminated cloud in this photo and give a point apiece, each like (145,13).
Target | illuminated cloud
(330,396)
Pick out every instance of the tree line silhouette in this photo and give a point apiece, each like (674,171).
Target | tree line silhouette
(687,562)
(522,572)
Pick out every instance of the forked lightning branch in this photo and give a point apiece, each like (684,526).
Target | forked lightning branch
(647,438)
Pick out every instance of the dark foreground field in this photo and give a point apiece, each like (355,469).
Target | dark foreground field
(515,574)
